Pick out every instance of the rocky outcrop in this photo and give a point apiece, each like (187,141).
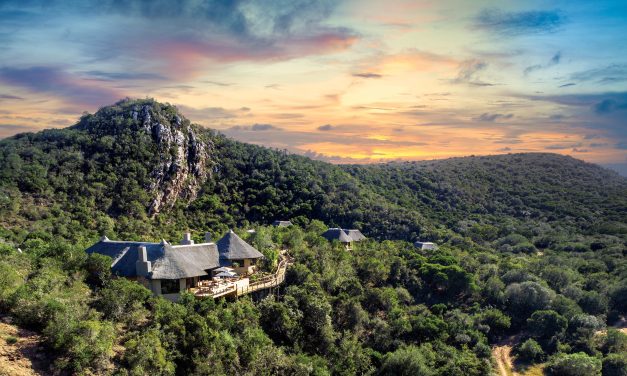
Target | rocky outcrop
(183,157)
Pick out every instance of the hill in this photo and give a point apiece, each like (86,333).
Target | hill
(140,169)
(531,246)
(549,191)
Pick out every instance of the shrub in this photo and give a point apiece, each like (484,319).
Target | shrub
(614,342)
(547,324)
(122,300)
(406,361)
(530,351)
(578,364)
(615,365)
(145,355)
(526,297)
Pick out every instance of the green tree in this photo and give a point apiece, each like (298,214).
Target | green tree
(530,351)
(406,361)
(578,364)
(547,324)
(615,365)
(145,355)
(527,297)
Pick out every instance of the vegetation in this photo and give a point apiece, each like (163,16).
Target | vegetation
(532,245)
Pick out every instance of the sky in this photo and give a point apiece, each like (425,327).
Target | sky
(343,81)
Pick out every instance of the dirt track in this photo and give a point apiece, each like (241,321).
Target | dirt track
(25,357)
(502,354)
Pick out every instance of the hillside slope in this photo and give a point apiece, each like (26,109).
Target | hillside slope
(541,187)
(140,169)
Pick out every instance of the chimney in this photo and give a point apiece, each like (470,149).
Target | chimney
(207,237)
(187,239)
(142,265)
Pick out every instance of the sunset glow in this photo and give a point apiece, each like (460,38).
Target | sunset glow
(347,82)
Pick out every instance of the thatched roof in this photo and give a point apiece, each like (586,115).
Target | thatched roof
(337,234)
(175,265)
(232,247)
(356,235)
(167,261)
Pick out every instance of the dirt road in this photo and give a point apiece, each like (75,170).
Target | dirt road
(21,352)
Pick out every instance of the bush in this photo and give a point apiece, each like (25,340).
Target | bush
(614,342)
(406,361)
(530,351)
(98,269)
(498,322)
(615,365)
(618,297)
(145,355)
(89,345)
(578,364)
(547,324)
(123,300)
(526,297)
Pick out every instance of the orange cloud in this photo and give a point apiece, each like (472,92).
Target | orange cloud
(412,60)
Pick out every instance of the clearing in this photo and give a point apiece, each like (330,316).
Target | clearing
(21,351)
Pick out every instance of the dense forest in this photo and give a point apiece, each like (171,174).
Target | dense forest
(531,247)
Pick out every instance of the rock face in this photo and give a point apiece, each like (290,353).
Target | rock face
(183,157)
(182,154)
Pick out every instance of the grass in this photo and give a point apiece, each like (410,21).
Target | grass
(535,370)
(528,369)
(11,340)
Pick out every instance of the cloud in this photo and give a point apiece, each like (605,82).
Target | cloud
(607,106)
(603,75)
(488,117)
(553,61)
(601,103)
(8,96)
(558,147)
(326,127)
(518,23)
(120,76)
(408,60)
(507,148)
(255,128)
(567,84)
(367,75)
(217,83)
(190,34)
(601,111)
(288,116)
(208,113)
(53,80)
(469,71)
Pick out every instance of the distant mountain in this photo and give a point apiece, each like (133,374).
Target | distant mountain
(539,187)
(140,169)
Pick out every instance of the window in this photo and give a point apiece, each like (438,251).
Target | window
(170,286)
(237,263)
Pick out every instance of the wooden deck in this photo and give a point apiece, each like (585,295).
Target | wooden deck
(243,286)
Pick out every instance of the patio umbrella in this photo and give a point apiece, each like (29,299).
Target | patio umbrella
(226,274)
(223,269)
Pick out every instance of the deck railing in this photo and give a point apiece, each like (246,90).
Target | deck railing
(232,288)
